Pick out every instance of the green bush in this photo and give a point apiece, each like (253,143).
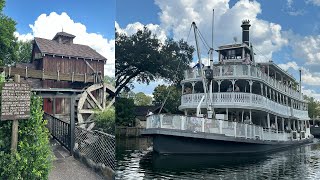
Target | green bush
(105,120)
(33,158)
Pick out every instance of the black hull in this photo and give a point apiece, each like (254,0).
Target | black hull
(315,131)
(165,142)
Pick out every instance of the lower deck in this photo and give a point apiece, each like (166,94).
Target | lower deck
(234,129)
(256,117)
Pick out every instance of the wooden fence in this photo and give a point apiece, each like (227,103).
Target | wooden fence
(128,131)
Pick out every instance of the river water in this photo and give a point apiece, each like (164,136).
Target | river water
(135,161)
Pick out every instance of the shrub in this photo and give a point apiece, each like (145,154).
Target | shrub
(105,120)
(33,157)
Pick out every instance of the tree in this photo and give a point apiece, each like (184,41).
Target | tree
(124,112)
(140,99)
(127,94)
(171,93)
(24,51)
(8,42)
(313,107)
(109,80)
(144,58)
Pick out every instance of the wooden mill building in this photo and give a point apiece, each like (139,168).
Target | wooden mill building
(61,55)
(58,65)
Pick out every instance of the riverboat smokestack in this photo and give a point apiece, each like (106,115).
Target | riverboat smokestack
(245,31)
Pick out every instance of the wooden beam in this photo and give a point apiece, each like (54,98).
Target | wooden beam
(95,100)
(82,100)
(86,111)
(104,96)
(110,104)
(91,103)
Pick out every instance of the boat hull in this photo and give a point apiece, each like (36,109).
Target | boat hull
(315,131)
(168,142)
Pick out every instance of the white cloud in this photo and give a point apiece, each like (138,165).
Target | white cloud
(134,27)
(291,64)
(310,78)
(314,2)
(307,77)
(292,11)
(307,48)
(177,16)
(46,26)
(311,93)
(23,37)
(289,3)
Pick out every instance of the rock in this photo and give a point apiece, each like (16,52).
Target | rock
(108,173)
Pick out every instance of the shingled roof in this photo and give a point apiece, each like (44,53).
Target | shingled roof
(64,34)
(143,110)
(53,47)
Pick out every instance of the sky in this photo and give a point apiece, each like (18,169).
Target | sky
(285,31)
(92,22)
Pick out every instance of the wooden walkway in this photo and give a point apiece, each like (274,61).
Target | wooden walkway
(45,75)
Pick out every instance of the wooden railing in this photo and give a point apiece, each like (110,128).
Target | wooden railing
(243,100)
(59,129)
(228,128)
(238,71)
(48,75)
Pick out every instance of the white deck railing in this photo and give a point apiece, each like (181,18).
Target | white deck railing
(233,129)
(245,71)
(241,100)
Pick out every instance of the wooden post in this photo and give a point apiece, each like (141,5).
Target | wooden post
(58,75)
(15,125)
(72,78)
(54,106)
(72,123)
(104,96)
(42,74)
(26,72)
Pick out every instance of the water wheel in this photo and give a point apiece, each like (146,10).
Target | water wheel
(97,97)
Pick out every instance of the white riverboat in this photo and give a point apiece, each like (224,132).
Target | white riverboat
(234,106)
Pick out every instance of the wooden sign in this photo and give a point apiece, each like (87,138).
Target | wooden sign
(15,101)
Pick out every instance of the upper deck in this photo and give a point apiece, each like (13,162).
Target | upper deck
(280,82)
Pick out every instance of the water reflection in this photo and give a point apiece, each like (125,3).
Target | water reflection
(195,162)
(136,161)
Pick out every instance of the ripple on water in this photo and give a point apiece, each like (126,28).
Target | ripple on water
(297,163)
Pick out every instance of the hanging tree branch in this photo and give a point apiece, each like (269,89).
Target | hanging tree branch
(144,58)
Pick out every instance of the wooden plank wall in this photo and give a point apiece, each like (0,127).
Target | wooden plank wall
(66,65)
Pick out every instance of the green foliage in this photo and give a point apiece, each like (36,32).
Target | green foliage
(8,44)
(127,94)
(24,51)
(110,80)
(313,107)
(144,58)
(33,157)
(105,120)
(124,112)
(161,92)
(140,99)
